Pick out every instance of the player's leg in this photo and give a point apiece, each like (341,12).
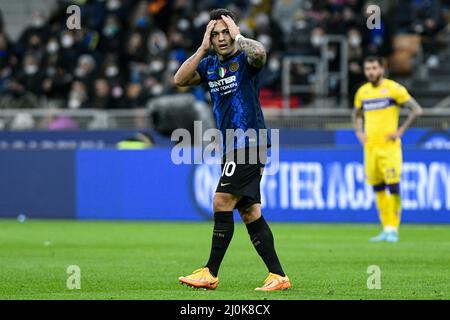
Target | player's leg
(263,241)
(394,209)
(392,178)
(206,277)
(223,205)
(381,199)
(375,179)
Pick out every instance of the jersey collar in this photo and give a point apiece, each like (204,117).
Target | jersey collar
(230,57)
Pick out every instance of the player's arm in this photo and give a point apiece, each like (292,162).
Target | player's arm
(358,125)
(187,74)
(415,110)
(256,54)
(358,118)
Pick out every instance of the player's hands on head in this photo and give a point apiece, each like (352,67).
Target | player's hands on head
(206,43)
(233,29)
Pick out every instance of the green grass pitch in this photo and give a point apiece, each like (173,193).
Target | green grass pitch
(142,260)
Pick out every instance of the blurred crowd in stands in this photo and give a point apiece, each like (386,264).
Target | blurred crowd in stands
(127,51)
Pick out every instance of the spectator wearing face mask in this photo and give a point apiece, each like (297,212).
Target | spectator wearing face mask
(173,64)
(116,76)
(354,39)
(355,59)
(21,87)
(69,53)
(56,84)
(317,39)
(262,32)
(112,70)
(272,73)
(30,77)
(154,87)
(49,69)
(34,36)
(85,70)
(52,47)
(111,36)
(119,8)
(78,96)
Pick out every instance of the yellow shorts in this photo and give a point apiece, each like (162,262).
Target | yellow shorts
(383,164)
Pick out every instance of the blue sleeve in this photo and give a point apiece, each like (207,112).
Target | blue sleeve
(202,68)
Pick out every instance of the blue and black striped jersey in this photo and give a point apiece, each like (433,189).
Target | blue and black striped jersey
(234,88)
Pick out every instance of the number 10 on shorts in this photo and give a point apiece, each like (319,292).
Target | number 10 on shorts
(229,168)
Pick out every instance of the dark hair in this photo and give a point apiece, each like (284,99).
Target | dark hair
(216,14)
(378,59)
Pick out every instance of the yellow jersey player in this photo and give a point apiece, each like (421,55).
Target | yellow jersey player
(379,101)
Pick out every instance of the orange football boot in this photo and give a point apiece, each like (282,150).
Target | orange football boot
(200,278)
(275,282)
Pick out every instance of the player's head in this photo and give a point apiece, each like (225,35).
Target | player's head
(373,69)
(220,37)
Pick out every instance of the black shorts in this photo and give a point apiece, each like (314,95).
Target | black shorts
(243,178)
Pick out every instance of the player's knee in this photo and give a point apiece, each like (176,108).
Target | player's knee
(246,215)
(379,187)
(394,188)
(250,214)
(223,202)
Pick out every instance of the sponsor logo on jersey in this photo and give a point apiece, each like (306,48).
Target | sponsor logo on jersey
(234,66)
(376,104)
(222,82)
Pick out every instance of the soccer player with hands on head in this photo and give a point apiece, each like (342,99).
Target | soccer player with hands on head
(233,75)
